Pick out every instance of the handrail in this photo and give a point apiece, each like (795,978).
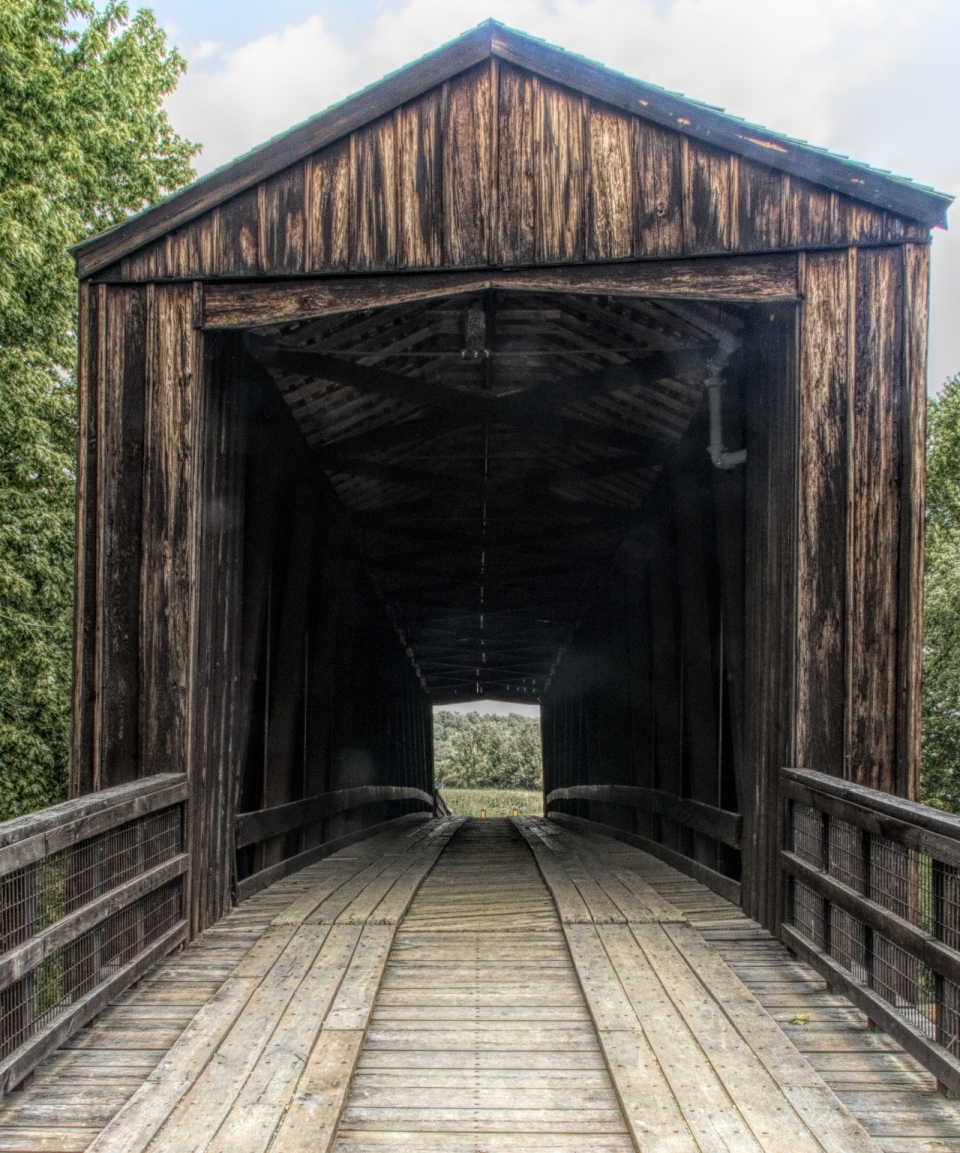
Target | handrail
(721,824)
(873,904)
(261,824)
(92,895)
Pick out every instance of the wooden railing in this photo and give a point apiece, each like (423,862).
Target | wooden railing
(721,824)
(91,895)
(264,824)
(873,904)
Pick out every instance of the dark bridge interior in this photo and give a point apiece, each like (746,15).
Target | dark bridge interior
(493,451)
(527,486)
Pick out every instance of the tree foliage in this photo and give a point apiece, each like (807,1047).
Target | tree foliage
(940,782)
(84,142)
(475,751)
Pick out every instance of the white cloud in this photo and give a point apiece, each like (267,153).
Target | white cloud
(260,89)
(780,63)
(859,76)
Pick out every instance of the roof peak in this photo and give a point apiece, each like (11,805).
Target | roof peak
(493,39)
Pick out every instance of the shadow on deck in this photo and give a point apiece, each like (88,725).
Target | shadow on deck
(493,985)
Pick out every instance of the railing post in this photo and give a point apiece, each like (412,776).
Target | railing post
(790,836)
(825,865)
(866,864)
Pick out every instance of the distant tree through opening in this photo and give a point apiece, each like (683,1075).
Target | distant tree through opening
(488,757)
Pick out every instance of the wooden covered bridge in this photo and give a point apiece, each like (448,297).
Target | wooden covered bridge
(510,377)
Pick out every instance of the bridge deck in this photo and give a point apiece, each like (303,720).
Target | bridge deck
(566,994)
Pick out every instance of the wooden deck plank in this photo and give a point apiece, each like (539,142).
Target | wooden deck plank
(476,1021)
(293,1102)
(148,1048)
(266,1094)
(480,997)
(727,1095)
(784,988)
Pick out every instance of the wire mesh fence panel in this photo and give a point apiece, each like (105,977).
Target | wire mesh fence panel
(872,869)
(72,971)
(59,922)
(807,834)
(807,909)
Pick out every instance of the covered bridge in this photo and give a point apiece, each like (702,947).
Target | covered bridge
(512,377)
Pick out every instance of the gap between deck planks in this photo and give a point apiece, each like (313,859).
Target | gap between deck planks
(613,897)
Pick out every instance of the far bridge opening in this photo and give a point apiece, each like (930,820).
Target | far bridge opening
(488,759)
(522,482)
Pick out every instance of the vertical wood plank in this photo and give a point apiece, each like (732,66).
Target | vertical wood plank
(857,223)
(145,264)
(808,215)
(699,687)
(468,168)
(169,528)
(709,198)
(912,503)
(610,212)
(322,641)
(759,207)
(283,223)
(282,782)
(238,235)
(560,171)
(658,190)
(121,444)
(516,192)
(825,356)
(771,410)
(729,493)
(374,206)
(874,558)
(666,678)
(84,698)
(420,183)
(328,222)
(191,251)
(216,755)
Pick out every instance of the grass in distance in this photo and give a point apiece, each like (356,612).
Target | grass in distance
(496,802)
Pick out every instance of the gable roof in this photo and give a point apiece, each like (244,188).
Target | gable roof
(491,39)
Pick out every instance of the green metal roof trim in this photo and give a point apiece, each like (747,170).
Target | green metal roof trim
(704,122)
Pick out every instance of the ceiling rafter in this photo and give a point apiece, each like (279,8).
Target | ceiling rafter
(491,493)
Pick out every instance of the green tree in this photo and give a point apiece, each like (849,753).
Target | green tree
(84,142)
(475,751)
(940,781)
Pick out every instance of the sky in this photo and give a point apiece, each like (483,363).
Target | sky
(873,79)
(491,708)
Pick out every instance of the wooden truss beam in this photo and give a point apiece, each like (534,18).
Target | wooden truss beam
(738,279)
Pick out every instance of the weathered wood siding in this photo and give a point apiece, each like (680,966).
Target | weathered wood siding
(501,167)
(166,659)
(862,404)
